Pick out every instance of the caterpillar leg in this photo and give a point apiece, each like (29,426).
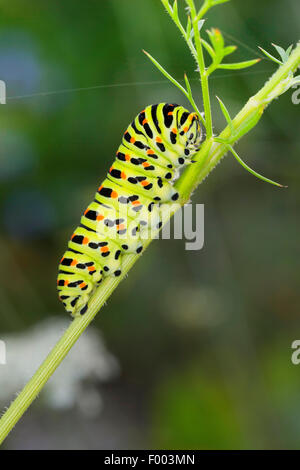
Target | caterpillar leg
(96,247)
(87,268)
(73,291)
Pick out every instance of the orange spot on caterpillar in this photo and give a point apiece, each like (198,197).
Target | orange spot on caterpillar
(132,140)
(192,116)
(127,157)
(85,241)
(150,152)
(74,262)
(100,187)
(111,168)
(170,113)
(91,268)
(66,282)
(158,139)
(145,121)
(62,259)
(135,203)
(144,183)
(114,194)
(120,226)
(174,130)
(146,164)
(104,249)
(185,129)
(100,217)
(123,175)
(83,284)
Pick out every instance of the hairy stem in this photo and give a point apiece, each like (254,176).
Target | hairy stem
(212,152)
(202,71)
(207,158)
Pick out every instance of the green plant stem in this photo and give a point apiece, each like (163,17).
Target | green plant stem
(207,158)
(59,352)
(204,9)
(181,28)
(202,71)
(212,152)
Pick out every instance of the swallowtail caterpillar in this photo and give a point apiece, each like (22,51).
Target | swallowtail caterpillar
(162,139)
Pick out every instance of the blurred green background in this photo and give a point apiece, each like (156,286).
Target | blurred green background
(203,338)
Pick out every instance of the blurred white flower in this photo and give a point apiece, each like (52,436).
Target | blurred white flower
(74,383)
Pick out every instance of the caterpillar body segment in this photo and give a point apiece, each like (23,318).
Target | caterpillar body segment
(133,205)
(112,225)
(129,202)
(148,186)
(145,164)
(98,247)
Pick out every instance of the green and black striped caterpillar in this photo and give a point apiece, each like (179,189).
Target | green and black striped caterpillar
(161,139)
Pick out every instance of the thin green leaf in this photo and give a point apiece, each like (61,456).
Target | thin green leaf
(289,49)
(270,56)
(211,37)
(187,83)
(189,28)
(167,6)
(258,175)
(239,65)
(216,39)
(208,48)
(181,28)
(219,37)
(229,50)
(226,114)
(218,2)
(186,93)
(207,5)
(166,74)
(281,52)
(175,10)
(189,90)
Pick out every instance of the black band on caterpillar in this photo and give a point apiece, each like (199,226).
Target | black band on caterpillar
(161,139)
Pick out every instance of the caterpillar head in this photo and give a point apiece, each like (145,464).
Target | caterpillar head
(193,133)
